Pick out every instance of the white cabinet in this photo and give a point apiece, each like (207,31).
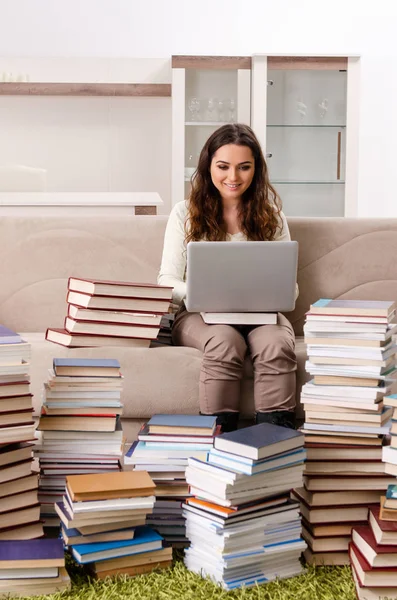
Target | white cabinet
(305,114)
(207,91)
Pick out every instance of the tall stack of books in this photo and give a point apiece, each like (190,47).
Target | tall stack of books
(19,507)
(164,445)
(103,520)
(243,527)
(111,313)
(351,356)
(32,567)
(80,430)
(388,502)
(373,556)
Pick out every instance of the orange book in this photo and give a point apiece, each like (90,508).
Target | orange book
(103,486)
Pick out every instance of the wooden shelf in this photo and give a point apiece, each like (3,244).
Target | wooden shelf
(211,62)
(322,63)
(9,88)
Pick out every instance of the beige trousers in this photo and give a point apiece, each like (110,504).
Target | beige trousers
(224,347)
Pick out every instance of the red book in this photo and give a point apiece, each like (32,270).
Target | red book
(113,329)
(375,554)
(82,340)
(385,532)
(371,576)
(115,303)
(98,287)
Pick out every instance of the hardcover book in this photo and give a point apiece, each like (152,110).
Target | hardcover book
(115,303)
(119,288)
(259,441)
(81,340)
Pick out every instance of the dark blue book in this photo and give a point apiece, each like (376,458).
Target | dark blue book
(144,540)
(7,336)
(158,423)
(259,441)
(44,552)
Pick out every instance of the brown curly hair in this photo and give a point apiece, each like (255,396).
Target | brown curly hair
(260,207)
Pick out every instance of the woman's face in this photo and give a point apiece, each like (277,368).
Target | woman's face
(232,170)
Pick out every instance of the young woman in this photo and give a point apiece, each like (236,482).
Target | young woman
(232,199)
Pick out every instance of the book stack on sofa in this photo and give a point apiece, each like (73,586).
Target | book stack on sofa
(164,445)
(32,568)
(351,356)
(111,313)
(242,525)
(80,430)
(373,556)
(19,507)
(103,523)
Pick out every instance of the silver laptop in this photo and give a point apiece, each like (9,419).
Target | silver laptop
(241,276)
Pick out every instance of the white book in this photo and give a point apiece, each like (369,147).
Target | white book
(382,430)
(248,318)
(347,391)
(350,371)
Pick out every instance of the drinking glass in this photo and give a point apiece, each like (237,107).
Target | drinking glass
(194,107)
(211,107)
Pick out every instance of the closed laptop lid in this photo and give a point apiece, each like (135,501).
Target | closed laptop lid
(241,276)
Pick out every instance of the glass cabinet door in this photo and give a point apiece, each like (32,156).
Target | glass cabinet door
(207,92)
(306,139)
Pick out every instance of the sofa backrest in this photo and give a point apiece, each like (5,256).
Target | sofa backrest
(347,258)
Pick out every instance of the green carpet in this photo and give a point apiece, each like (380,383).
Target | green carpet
(177,583)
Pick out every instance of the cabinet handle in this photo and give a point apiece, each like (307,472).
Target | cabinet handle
(270,82)
(338,159)
(268,155)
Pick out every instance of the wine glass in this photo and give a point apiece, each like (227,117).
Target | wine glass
(194,107)
(232,110)
(211,107)
(221,110)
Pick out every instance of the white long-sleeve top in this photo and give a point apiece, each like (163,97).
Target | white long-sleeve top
(173,264)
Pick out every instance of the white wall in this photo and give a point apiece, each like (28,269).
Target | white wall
(159,28)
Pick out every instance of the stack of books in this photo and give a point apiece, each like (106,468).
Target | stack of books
(243,527)
(351,356)
(164,445)
(112,313)
(79,428)
(103,520)
(373,556)
(32,568)
(19,507)
(388,502)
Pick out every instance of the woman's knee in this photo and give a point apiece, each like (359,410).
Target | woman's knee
(225,345)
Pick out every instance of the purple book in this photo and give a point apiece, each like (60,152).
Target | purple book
(7,336)
(41,549)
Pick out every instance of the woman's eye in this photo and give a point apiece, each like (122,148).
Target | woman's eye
(222,167)
(245,168)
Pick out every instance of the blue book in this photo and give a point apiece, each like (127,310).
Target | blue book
(48,551)
(259,441)
(391,492)
(145,540)
(7,336)
(186,421)
(339,306)
(96,367)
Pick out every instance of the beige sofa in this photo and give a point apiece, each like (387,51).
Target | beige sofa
(349,258)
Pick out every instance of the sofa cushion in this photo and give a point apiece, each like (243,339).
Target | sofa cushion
(156,380)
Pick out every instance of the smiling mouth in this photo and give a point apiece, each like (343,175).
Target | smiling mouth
(232,187)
